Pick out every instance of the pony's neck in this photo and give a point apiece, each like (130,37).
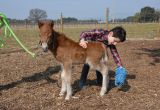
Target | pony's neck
(62,39)
(59,40)
(53,41)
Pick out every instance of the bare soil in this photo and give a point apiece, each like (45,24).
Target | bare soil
(34,84)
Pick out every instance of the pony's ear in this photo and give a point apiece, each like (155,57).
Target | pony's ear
(52,23)
(40,23)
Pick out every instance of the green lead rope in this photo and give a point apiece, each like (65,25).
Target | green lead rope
(9,32)
(2,43)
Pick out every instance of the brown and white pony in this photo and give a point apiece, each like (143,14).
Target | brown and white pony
(68,52)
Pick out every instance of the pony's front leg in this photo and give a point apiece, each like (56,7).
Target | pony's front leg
(68,68)
(64,86)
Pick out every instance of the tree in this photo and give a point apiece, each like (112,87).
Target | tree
(147,14)
(136,17)
(70,19)
(37,14)
(157,16)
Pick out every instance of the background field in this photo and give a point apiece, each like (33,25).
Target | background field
(139,29)
(33,84)
(29,34)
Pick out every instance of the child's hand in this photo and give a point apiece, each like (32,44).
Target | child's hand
(83,43)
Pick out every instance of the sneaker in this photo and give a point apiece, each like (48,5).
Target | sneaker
(82,85)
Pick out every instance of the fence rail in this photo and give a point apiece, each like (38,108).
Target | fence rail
(134,30)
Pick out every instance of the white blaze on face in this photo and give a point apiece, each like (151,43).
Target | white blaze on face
(44,45)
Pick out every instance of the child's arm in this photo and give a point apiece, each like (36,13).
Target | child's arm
(115,55)
(91,35)
(120,73)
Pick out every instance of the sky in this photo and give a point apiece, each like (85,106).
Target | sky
(80,9)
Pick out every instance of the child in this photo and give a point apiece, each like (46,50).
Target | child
(110,39)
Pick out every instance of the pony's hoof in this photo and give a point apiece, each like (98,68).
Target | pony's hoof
(67,98)
(102,93)
(61,94)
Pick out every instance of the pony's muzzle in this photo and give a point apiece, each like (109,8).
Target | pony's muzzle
(44,46)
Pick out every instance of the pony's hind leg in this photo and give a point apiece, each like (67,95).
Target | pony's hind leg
(105,81)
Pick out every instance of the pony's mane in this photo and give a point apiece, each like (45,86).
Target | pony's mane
(63,36)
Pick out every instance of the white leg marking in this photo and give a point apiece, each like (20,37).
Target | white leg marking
(105,81)
(69,87)
(64,86)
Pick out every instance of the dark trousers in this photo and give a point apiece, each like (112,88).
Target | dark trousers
(99,77)
(84,75)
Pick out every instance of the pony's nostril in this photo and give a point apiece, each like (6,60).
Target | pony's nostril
(45,47)
(45,50)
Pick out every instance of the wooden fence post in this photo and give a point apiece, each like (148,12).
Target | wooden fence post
(107,18)
(61,22)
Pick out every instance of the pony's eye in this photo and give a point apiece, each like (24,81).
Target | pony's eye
(40,42)
(49,34)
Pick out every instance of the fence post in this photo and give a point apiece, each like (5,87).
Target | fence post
(61,22)
(158,33)
(107,18)
(26,24)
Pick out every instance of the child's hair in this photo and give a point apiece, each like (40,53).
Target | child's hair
(119,32)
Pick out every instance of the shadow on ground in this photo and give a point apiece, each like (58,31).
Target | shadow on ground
(45,75)
(153,53)
(125,88)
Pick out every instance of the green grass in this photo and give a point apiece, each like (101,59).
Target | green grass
(30,36)
(146,31)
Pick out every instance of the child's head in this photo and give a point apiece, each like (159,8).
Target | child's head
(117,34)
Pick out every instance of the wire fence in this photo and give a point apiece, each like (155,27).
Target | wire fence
(134,30)
(29,34)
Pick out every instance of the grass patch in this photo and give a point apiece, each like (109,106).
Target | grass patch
(30,36)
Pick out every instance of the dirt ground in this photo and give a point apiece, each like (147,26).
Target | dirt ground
(34,84)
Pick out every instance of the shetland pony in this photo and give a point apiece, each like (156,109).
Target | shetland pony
(68,52)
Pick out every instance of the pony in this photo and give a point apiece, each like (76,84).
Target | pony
(68,52)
